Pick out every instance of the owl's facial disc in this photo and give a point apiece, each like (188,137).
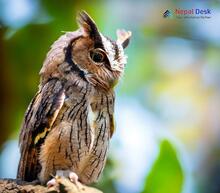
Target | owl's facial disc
(101,58)
(90,29)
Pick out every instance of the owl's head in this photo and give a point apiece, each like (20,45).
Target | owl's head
(99,59)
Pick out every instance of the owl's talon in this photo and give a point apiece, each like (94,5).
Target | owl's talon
(51,183)
(73,177)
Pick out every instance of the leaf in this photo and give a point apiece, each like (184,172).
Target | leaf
(166,175)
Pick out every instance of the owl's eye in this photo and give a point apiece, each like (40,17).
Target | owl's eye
(97,55)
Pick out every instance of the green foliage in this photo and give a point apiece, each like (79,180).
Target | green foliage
(166,175)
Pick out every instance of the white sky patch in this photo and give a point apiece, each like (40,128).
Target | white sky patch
(17,13)
(176,54)
(9,159)
(136,144)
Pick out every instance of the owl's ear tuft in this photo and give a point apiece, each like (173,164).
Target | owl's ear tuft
(87,24)
(123,37)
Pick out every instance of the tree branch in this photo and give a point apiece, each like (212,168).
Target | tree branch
(63,185)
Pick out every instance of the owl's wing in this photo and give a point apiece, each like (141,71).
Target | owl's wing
(39,118)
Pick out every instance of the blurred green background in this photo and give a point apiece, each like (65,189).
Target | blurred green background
(167,106)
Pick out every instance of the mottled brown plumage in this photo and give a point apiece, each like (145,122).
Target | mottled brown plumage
(69,122)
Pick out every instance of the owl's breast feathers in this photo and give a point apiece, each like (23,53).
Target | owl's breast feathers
(58,105)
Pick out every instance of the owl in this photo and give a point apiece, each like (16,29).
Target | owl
(70,121)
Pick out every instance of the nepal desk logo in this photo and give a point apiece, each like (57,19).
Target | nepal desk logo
(167,14)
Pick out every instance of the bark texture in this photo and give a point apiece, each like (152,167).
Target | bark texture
(63,185)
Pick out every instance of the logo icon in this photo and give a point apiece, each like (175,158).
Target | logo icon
(167,14)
